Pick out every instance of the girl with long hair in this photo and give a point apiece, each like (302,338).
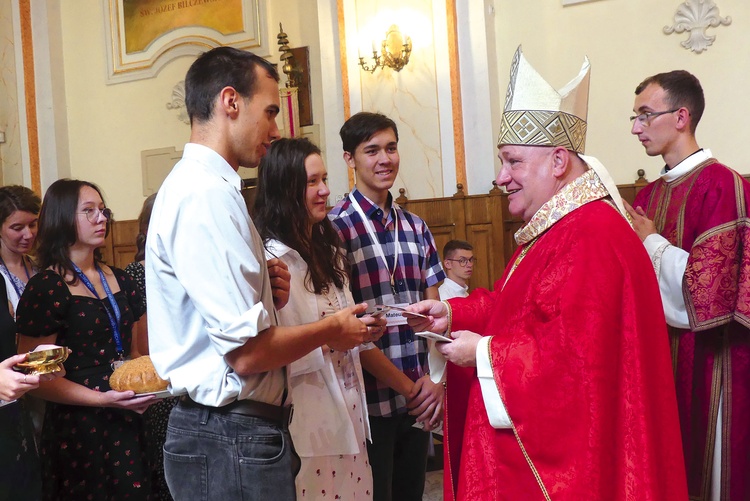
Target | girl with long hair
(330,422)
(92,445)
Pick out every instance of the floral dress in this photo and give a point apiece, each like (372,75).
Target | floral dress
(157,416)
(93,453)
(343,476)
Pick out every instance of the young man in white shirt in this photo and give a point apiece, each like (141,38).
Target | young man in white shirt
(458,264)
(211,304)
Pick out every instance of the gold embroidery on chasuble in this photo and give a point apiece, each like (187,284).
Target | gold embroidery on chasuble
(582,190)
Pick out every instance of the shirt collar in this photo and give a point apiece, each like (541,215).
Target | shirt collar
(456,284)
(370,208)
(685,166)
(215,162)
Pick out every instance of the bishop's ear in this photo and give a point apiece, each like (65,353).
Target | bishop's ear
(560,161)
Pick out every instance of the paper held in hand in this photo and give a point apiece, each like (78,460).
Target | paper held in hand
(440,338)
(407,314)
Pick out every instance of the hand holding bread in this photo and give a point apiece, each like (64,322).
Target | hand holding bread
(137,375)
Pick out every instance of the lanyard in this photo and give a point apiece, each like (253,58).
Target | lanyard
(113,321)
(16,282)
(376,243)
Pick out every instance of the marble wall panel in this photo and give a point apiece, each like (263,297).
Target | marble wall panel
(409,97)
(10,150)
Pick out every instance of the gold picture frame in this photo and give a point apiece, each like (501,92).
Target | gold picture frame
(144,35)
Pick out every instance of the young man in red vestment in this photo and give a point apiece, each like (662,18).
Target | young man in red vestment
(573,396)
(693,222)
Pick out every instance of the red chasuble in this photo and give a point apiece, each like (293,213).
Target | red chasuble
(580,356)
(705,213)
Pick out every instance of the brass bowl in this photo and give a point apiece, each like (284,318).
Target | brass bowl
(43,361)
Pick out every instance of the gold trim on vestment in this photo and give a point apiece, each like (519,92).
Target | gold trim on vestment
(582,190)
(526,456)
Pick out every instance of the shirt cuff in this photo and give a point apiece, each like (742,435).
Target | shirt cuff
(653,242)
(493,403)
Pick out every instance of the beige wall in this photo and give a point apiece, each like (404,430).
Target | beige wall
(624,41)
(109,125)
(10,150)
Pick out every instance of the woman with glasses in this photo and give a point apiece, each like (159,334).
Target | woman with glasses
(92,445)
(330,423)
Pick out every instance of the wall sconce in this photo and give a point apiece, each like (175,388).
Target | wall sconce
(289,67)
(394,53)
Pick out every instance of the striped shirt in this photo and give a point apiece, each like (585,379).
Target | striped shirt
(418,267)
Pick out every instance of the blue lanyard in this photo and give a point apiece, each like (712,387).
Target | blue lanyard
(14,280)
(113,321)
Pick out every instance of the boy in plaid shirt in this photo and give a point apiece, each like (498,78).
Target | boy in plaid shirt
(393,261)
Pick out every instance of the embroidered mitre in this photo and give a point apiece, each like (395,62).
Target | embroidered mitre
(538,115)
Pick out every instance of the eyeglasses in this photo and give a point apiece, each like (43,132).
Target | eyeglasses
(646,117)
(93,214)
(464,261)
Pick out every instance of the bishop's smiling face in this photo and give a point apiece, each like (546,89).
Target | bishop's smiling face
(526,174)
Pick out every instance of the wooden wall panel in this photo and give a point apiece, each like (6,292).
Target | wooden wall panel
(480,236)
(482,220)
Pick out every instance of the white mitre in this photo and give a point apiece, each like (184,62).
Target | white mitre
(538,115)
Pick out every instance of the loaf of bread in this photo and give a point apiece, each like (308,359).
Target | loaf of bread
(137,375)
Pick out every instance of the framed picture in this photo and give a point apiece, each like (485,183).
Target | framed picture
(571,2)
(144,35)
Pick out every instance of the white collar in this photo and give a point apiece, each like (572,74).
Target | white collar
(686,165)
(218,164)
(279,249)
(464,287)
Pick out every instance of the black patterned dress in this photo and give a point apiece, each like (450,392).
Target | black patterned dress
(20,476)
(157,416)
(95,453)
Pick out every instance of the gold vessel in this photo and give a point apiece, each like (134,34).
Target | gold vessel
(43,361)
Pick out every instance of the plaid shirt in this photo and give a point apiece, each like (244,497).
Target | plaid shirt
(418,268)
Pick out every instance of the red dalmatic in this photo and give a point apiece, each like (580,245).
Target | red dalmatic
(705,213)
(580,357)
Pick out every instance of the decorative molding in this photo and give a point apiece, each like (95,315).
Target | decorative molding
(178,102)
(696,16)
(144,35)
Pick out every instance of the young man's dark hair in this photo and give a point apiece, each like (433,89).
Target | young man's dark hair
(454,245)
(683,90)
(362,126)
(219,68)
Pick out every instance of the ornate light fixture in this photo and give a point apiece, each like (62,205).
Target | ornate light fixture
(289,66)
(394,53)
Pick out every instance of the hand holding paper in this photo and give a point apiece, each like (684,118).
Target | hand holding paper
(463,350)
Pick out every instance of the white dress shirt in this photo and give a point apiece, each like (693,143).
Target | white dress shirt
(321,424)
(450,289)
(208,285)
(669,261)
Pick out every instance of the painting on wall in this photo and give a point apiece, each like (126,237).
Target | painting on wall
(144,35)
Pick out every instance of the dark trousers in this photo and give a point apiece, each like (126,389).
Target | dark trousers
(223,456)
(398,457)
